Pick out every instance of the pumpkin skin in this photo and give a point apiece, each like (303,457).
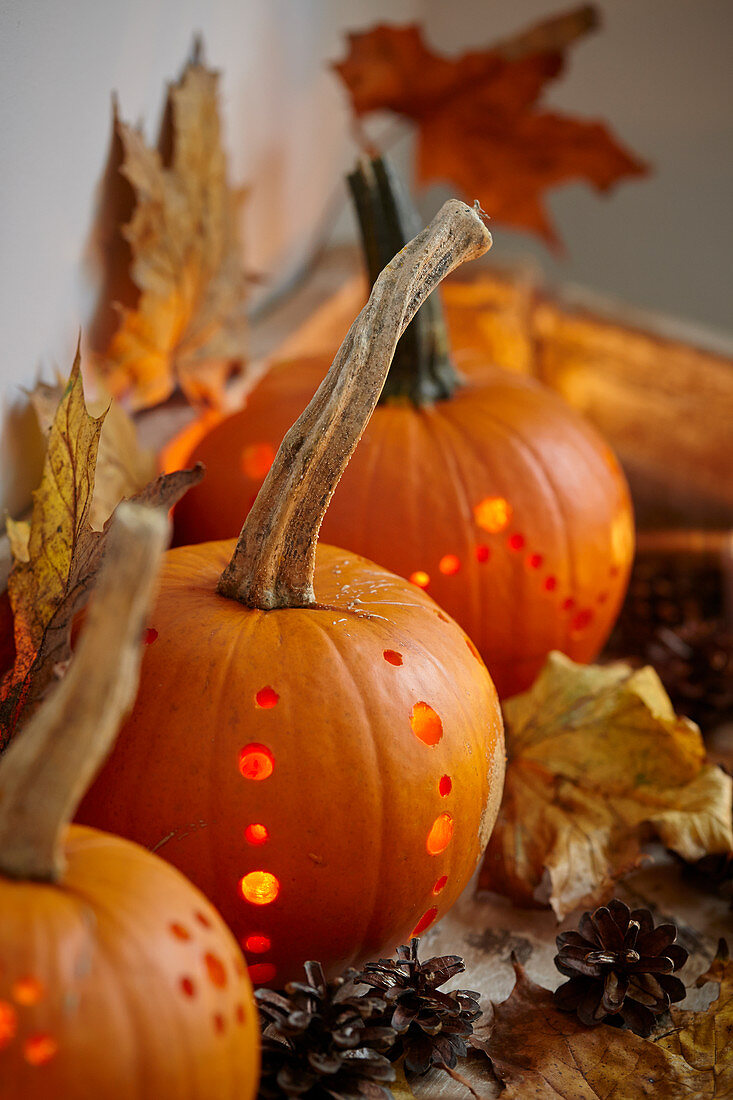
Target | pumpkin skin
(553,576)
(121,981)
(353,792)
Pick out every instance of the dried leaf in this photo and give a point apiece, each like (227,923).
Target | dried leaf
(188,328)
(539,1051)
(597,760)
(479,123)
(56,564)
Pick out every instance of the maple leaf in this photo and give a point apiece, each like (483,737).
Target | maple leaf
(57,555)
(188,328)
(478,121)
(537,1050)
(597,760)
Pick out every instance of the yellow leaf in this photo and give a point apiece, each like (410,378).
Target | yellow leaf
(188,328)
(597,760)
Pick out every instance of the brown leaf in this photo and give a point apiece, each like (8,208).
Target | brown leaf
(478,121)
(597,760)
(188,328)
(539,1051)
(59,554)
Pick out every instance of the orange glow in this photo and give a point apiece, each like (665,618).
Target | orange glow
(150,635)
(256,834)
(493,514)
(392,657)
(516,542)
(425,921)
(449,565)
(266,698)
(568,604)
(216,970)
(482,554)
(550,583)
(534,561)
(259,887)
(27,991)
(257,458)
(582,620)
(420,578)
(39,1049)
(440,835)
(187,987)
(256,762)
(262,972)
(440,884)
(426,724)
(8,1023)
(179,931)
(445,786)
(257,944)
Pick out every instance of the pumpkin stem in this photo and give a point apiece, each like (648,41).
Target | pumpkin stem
(48,767)
(274,560)
(422,370)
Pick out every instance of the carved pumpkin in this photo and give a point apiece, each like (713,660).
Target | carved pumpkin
(117,978)
(487,490)
(314,742)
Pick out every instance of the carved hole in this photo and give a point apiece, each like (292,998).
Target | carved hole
(482,554)
(392,657)
(257,458)
(203,919)
(493,514)
(568,604)
(259,887)
(440,884)
(27,991)
(449,565)
(179,931)
(8,1023)
(39,1049)
(445,786)
(216,970)
(534,561)
(582,620)
(550,584)
(256,834)
(420,578)
(266,698)
(426,724)
(425,921)
(516,542)
(240,1014)
(256,762)
(219,1024)
(262,972)
(150,635)
(257,944)
(473,649)
(187,987)
(440,835)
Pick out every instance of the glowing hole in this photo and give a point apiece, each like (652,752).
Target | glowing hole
(550,583)
(582,619)
(27,991)
(443,618)
(482,554)
(445,786)
(187,987)
(534,561)
(449,565)
(256,762)
(8,1023)
(420,578)
(516,542)
(257,944)
(426,724)
(568,604)
(440,834)
(39,1049)
(392,657)
(262,972)
(473,649)
(257,458)
(219,1023)
(440,884)
(256,834)
(203,919)
(425,921)
(266,698)
(603,597)
(150,635)
(493,514)
(179,931)
(259,887)
(240,1014)
(216,970)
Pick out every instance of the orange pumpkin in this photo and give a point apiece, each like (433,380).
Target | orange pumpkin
(117,977)
(314,743)
(487,490)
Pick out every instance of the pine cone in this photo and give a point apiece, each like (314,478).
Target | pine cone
(431,1026)
(620,968)
(695,664)
(320,1040)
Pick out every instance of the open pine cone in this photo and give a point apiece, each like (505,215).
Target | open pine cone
(431,1026)
(620,968)
(320,1040)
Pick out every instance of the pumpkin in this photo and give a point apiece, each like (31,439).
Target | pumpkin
(315,743)
(487,490)
(117,977)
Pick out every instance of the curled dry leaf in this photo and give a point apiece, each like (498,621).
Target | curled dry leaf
(597,760)
(58,554)
(478,119)
(188,328)
(538,1051)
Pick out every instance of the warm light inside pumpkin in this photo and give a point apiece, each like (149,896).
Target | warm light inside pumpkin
(445,786)
(426,724)
(27,991)
(449,565)
(257,944)
(256,762)
(493,514)
(266,698)
(420,578)
(8,1023)
(39,1049)
(425,921)
(259,887)
(256,834)
(262,972)
(440,884)
(440,835)
(392,657)
(257,458)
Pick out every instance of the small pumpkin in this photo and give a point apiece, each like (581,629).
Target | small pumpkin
(315,743)
(117,977)
(486,489)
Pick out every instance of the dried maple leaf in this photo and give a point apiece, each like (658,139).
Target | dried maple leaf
(188,327)
(57,554)
(597,761)
(478,122)
(537,1050)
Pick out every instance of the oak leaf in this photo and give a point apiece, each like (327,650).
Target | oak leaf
(479,122)
(57,555)
(537,1050)
(188,328)
(598,762)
